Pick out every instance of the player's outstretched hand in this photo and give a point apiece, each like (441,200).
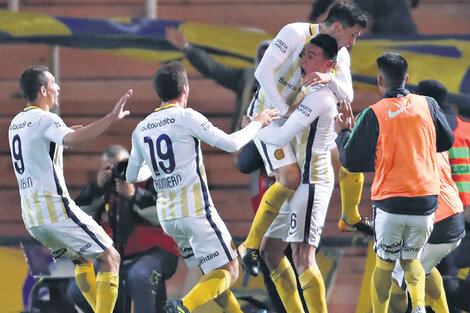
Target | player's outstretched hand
(267,116)
(345,118)
(342,122)
(245,121)
(176,37)
(346,108)
(118,112)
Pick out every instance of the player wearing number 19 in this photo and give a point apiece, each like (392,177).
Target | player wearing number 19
(169,141)
(36,138)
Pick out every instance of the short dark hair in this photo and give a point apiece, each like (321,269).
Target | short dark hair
(393,68)
(328,44)
(31,81)
(348,14)
(114,151)
(433,88)
(169,80)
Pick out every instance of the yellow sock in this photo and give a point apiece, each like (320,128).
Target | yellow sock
(107,285)
(380,285)
(228,302)
(209,287)
(313,288)
(268,209)
(351,190)
(435,292)
(415,281)
(398,299)
(86,282)
(283,277)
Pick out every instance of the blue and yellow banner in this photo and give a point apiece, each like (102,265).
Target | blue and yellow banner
(445,58)
(442,57)
(136,37)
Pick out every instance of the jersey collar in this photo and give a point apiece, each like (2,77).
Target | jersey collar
(30,108)
(314,29)
(166,107)
(396,93)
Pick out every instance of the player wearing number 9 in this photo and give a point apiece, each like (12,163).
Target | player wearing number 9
(36,138)
(169,142)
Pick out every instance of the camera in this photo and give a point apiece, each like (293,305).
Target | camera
(119,170)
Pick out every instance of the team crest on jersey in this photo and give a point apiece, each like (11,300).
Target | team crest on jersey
(279,154)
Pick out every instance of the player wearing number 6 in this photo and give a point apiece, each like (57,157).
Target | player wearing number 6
(36,138)
(169,141)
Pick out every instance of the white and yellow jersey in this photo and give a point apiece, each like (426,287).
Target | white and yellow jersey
(35,137)
(310,130)
(168,140)
(314,143)
(282,60)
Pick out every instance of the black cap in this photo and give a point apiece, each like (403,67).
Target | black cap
(435,89)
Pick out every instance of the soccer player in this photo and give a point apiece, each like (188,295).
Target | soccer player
(301,219)
(280,79)
(240,80)
(37,137)
(168,141)
(438,91)
(397,138)
(128,214)
(448,231)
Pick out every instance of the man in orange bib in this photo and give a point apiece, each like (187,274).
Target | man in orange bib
(397,138)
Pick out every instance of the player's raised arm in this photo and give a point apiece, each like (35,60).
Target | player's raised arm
(93,130)
(203,129)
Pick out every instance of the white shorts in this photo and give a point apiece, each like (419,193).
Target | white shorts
(203,240)
(302,217)
(78,236)
(275,157)
(431,256)
(434,253)
(400,235)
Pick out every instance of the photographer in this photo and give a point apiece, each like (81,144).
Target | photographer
(127,213)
